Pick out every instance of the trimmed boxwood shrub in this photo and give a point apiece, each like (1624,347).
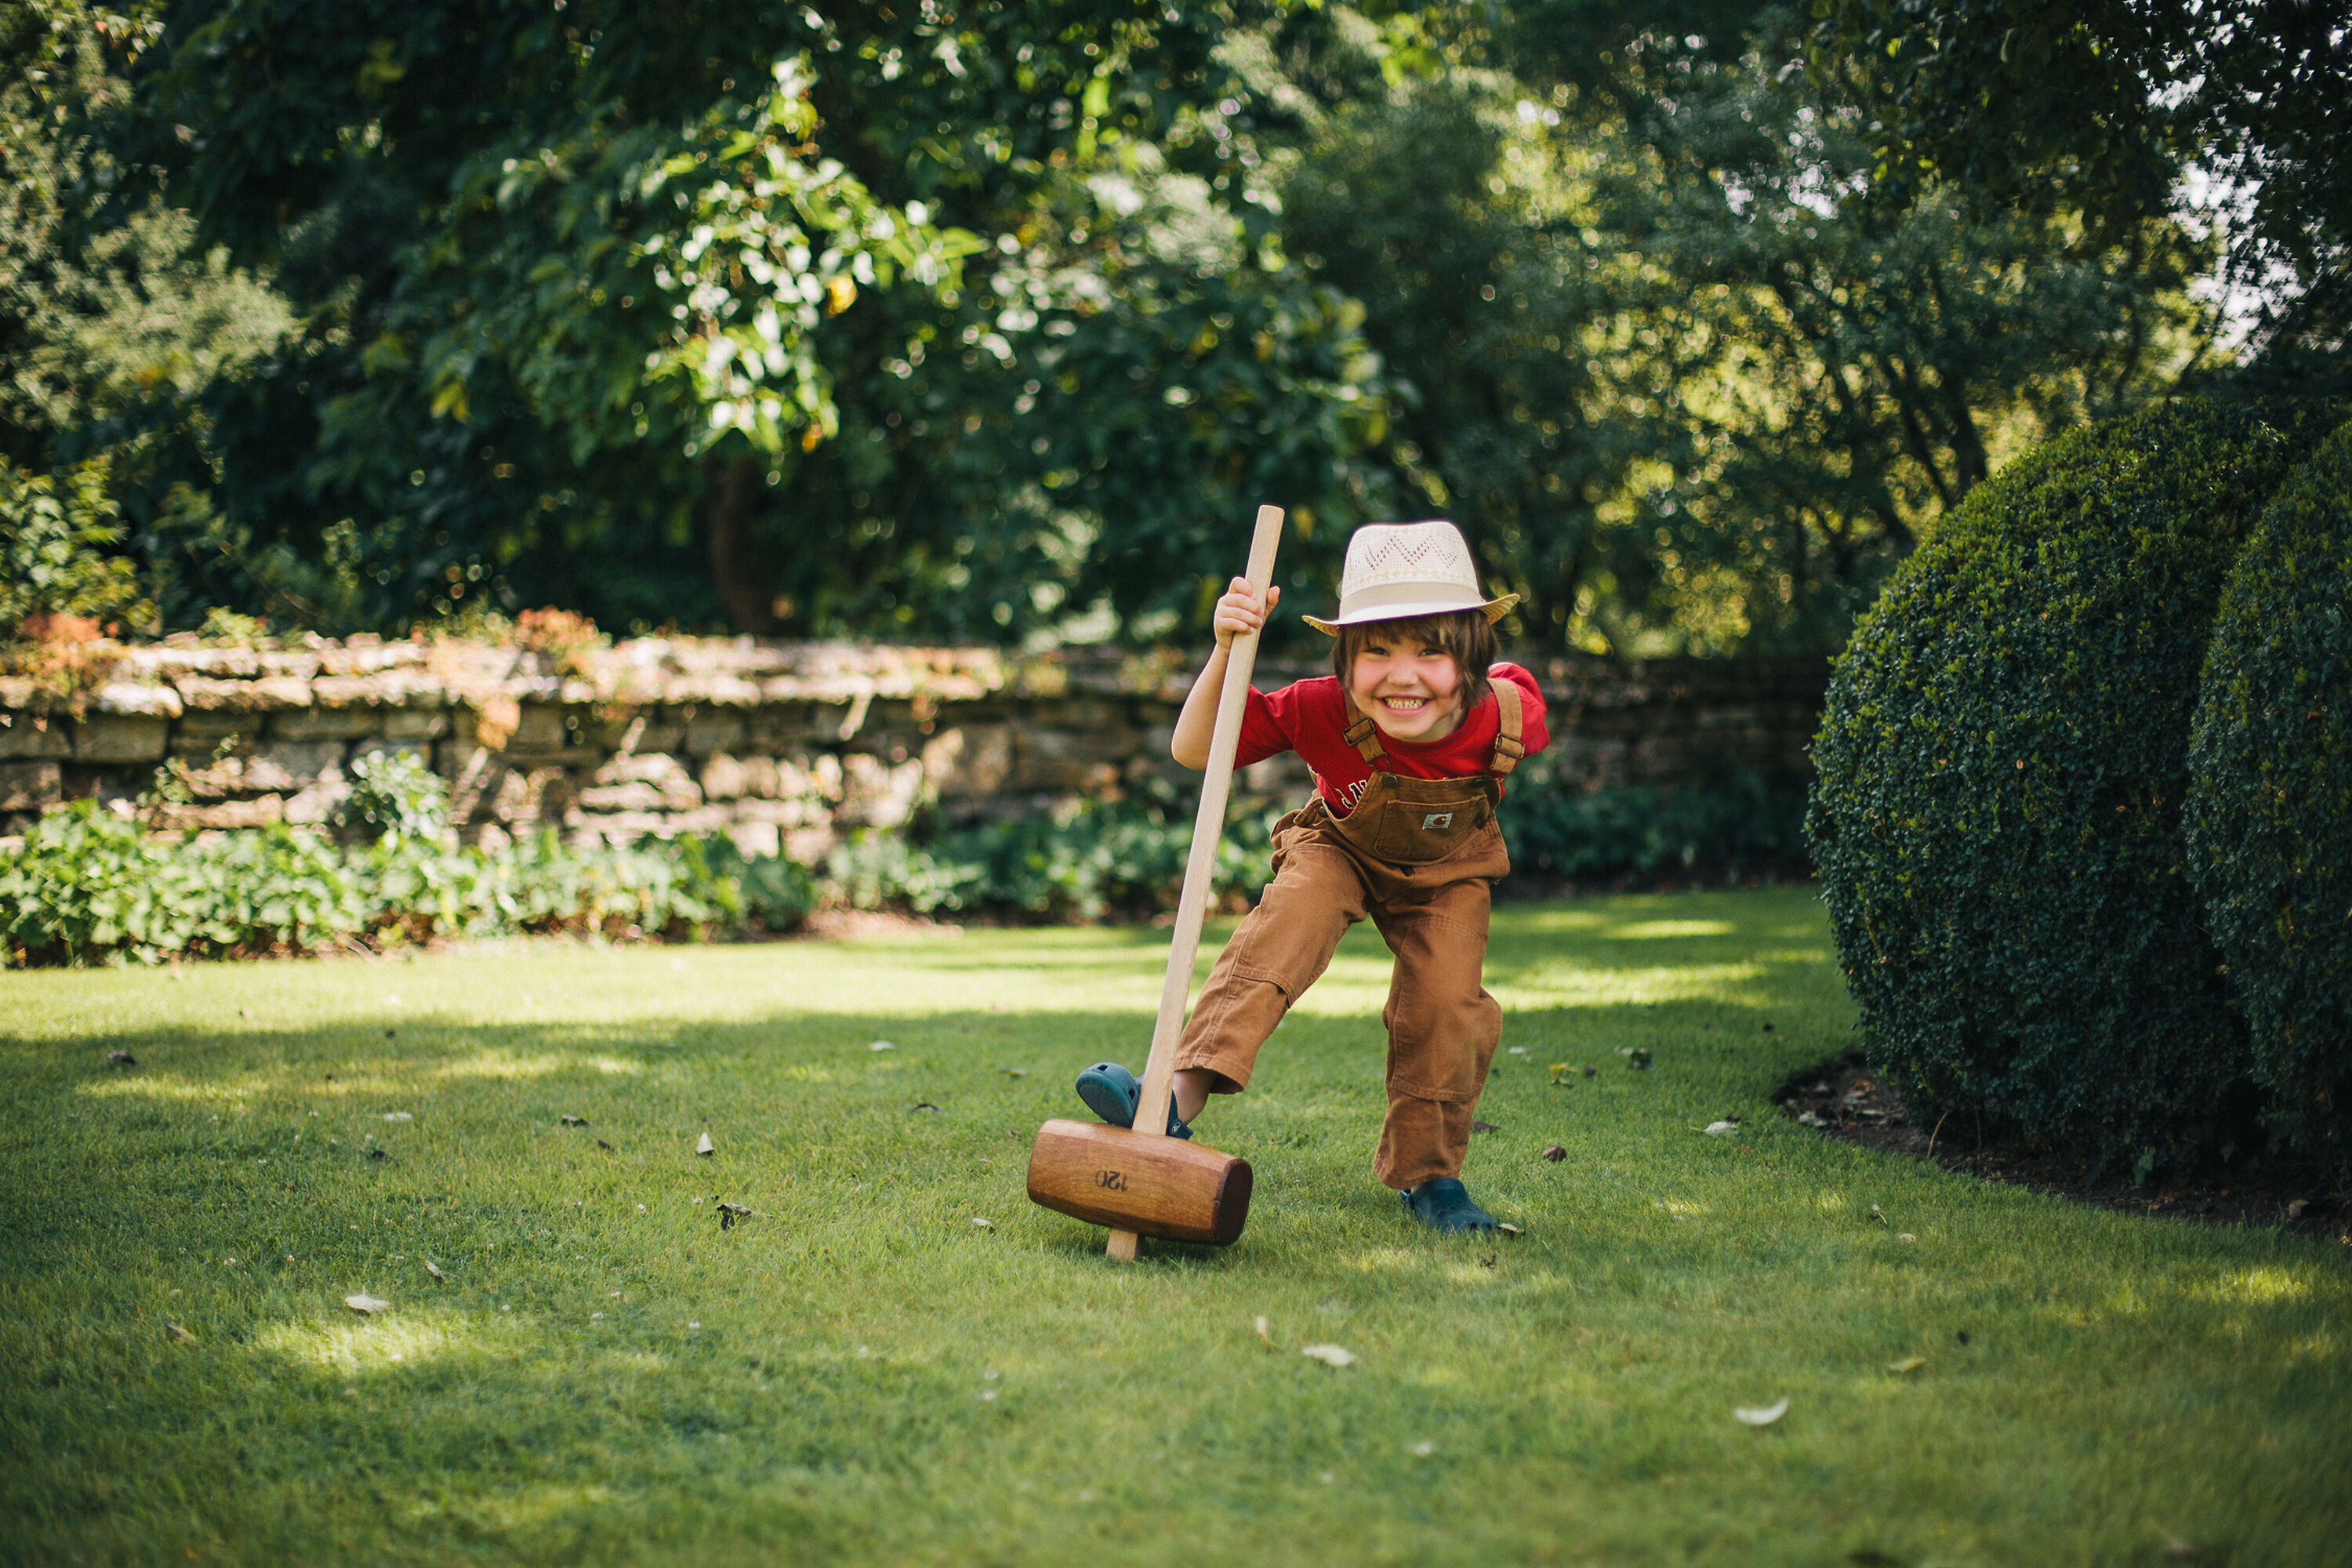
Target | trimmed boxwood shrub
(2270,798)
(1996,813)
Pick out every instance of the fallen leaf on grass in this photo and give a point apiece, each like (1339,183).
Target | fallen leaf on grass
(178,1335)
(121,1059)
(378,1154)
(1763,1418)
(1510,1229)
(925,1105)
(571,1121)
(882,1046)
(1908,1363)
(1555,1153)
(1876,1215)
(1718,1129)
(730,1213)
(705,1147)
(1906,1235)
(983,1225)
(1518,1050)
(1484,1127)
(602,1144)
(1809,1120)
(2293,1210)
(1265,1332)
(366,1303)
(1329,1355)
(434,1270)
(399,1115)
(1017,1072)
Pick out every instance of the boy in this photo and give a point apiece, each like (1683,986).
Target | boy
(1410,739)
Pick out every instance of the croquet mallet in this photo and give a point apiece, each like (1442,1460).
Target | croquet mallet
(1138,1181)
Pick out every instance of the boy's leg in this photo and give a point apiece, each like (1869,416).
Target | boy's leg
(1281,947)
(1442,1030)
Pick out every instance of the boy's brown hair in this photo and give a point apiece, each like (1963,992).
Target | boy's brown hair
(1465,635)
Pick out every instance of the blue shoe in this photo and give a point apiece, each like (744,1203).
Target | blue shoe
(1111,1092)
(1441,1202)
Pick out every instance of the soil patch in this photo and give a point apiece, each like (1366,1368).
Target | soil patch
(1841,1099)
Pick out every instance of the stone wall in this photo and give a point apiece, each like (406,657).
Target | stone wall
(783,746)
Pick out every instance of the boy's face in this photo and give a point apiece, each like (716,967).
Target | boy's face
(1410,688)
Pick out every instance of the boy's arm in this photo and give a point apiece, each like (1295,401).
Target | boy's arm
(1237,611)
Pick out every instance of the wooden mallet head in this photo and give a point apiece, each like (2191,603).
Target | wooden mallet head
(1151,1186)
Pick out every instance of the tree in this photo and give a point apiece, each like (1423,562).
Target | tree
(594,291)
(109,334)
(2106,109)
(1686,382)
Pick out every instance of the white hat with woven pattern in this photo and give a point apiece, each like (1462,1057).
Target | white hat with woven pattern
(1398,570)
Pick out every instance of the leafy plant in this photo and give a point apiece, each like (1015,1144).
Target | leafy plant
(224,627)
(1125,856)
(1997,814)
(1737,818)
(396,796)
(2269,817)
(90,886)
(54,533)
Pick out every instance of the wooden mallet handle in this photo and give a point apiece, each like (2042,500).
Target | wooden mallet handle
(1208,826)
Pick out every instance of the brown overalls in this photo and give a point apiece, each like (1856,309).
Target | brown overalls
(1418,856)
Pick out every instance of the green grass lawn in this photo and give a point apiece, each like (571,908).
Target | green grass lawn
(862,1373)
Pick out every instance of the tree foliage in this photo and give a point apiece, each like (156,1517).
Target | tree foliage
(993,318)
(716,312)
(1688,381)
(2100,110)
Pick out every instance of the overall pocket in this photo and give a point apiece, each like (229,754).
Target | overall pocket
(1413,821)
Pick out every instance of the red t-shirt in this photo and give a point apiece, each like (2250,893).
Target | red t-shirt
(1309,717)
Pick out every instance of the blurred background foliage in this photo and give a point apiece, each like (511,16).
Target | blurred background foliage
(991,319)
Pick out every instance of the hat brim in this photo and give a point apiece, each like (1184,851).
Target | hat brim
(1494,610)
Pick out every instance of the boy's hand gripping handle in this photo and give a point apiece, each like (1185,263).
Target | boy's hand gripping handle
(1208,826)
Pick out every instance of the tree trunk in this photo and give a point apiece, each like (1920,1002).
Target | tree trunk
(745,587)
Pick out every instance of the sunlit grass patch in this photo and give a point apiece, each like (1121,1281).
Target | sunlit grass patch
(353,1344)
(1653,931)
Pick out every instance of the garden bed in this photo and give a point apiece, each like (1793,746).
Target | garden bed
(1848,1102)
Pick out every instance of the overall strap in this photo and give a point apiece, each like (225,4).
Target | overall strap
(1362,733)
(1507,749)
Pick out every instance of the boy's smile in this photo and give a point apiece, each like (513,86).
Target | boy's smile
(1410,692)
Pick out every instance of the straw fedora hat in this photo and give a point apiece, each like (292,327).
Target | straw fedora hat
(1398,570)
